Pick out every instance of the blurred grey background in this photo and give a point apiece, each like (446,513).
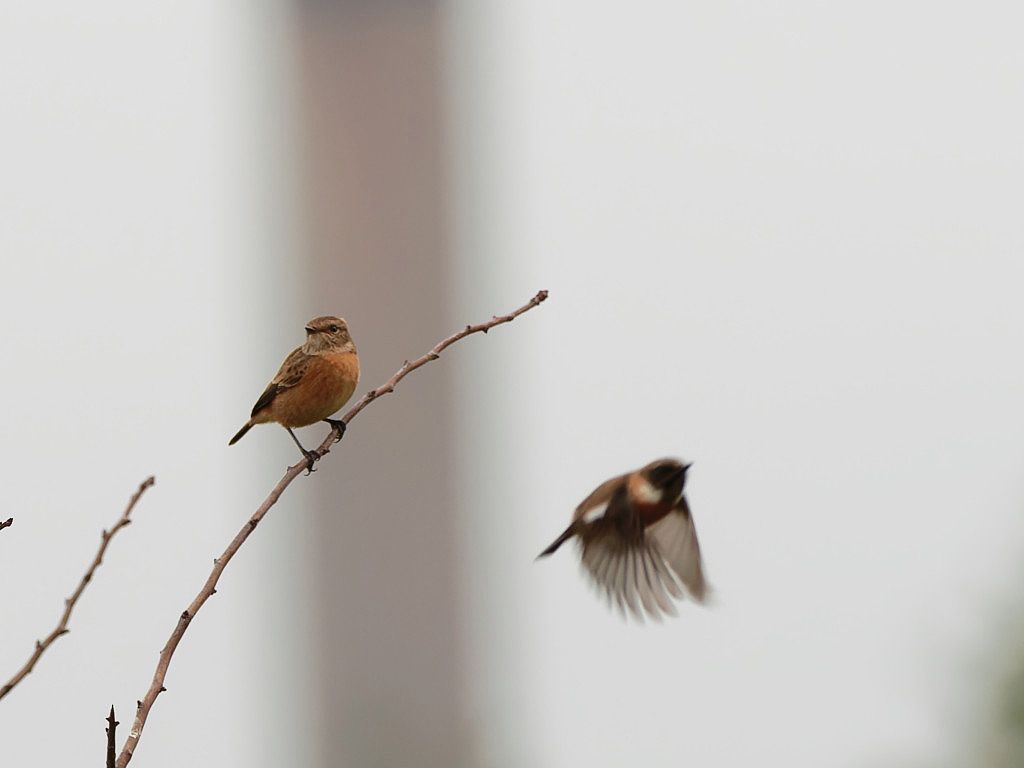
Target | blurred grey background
(782,240)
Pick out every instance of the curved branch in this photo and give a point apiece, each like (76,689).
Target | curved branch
(70,602)
(210,587)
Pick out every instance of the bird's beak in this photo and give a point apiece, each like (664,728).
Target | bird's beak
(309,330)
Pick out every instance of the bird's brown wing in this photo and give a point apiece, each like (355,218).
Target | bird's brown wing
(600,496)
(675,538)
(629,570)
(291,372)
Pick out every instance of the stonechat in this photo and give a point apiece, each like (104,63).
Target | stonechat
(638,541)
(314,381)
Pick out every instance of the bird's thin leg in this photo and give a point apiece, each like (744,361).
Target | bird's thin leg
(311,456)
(339,425)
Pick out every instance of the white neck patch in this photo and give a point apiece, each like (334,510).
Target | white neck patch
(644,492)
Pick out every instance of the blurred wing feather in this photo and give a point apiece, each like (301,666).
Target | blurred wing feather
(632,576)
(675,539)
(644,574)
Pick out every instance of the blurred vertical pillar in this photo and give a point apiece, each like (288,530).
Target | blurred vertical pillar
(388,669)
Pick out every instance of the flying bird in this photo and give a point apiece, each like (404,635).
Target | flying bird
(638,541)
(314,381)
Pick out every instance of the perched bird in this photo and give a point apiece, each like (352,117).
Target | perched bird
(638,541)
(314,381)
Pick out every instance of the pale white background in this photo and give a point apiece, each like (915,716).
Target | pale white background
(146,207)
(783,241)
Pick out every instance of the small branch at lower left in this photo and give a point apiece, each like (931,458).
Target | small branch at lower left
(69,603)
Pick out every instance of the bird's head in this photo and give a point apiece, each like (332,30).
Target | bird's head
(667,476)
(327,333)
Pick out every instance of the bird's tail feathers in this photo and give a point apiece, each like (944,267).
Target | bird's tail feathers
(241,433)
(567,534)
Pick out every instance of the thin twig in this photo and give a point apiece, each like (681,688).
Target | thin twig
(111,730)
(210,587)
(6,523)
(407,367)
(69,603)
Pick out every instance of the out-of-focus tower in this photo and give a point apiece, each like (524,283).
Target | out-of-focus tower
(387,607)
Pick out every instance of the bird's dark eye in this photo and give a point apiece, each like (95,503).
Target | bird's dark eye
(334,329)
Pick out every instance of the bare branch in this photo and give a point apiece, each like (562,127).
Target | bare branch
(111,730)
(219,564)
(407,367)
(6,523)
(69,603)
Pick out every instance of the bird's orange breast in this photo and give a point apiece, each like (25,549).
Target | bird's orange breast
(651,513)
(328,383)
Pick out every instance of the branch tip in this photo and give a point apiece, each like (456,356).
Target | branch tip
(111,730)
